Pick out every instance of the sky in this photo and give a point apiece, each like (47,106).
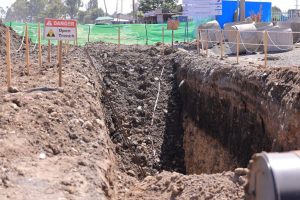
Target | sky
(127,4)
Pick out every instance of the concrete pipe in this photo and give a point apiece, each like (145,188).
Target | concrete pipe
(295,26)
(249,38)
(261,26)
(213,29)
(279,39)
(274,176)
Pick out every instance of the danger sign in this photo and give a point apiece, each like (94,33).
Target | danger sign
(59,29)
(173,24)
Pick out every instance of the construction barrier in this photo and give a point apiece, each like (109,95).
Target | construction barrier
(131,34)
(239,41)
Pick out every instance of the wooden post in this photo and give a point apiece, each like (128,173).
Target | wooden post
(198,41)
(202,44)
(58,50)
(163,41)
(119,39)
(27,48)
(39,43)
(89,33)
(49,51)
(60,64)
(172,39)
(222,45)
(237,46)
(206,43)
(266,47)
(8,59)
(67,46)
(76,40)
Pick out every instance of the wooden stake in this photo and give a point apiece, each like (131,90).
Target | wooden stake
(27,49)
(222,45)
(266,47)
(163,41)
(237,46)
(89,33)
(119,39)
(206,43)
(8,59)
(172,39)
(198,41)
(58,50)
(66,47)
(49,51)
(40,46)
(60,64)
(202,44)
(76,40)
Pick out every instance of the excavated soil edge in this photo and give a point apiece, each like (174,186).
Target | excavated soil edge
(241,110)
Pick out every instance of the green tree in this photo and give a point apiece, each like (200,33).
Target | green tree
(72,7)
(166,5)
(19,11)
(276,13)
(36,7)
(2,13)
(92,12)
(54,9)
(92,4)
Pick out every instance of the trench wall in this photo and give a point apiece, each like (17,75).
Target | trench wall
(231,112)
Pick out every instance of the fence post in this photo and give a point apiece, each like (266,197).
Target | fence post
(198,41)
(202,45)
(172,39)
(237,46)
(119,39)
(207,43)
(58,50)
(27,48)
(8,59)
(222,45)
(60,63)
(89,33)
(163,40)
(76,43)
(49,51)
(266,47)
(39,43)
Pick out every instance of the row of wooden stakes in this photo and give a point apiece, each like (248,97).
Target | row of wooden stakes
(27,54)
(205,41)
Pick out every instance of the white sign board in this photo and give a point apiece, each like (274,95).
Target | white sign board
(59,29)
(202,8)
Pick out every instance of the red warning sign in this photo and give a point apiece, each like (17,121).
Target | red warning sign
(60,29)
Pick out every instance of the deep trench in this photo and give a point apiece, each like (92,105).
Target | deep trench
(234,127)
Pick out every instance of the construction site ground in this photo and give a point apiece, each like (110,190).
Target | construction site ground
(111,132)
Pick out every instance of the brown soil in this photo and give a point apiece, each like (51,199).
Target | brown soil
(94,138)
(53,141)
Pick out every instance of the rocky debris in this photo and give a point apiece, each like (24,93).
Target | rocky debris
(241,171)
(167,185)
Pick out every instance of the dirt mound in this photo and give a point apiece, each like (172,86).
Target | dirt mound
(16,40)
(53,141)
(167,185)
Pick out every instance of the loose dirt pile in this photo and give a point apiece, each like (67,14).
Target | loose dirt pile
(167,185)
(16,40)
(53,141)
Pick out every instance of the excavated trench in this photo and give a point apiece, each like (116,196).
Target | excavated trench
(211,116)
